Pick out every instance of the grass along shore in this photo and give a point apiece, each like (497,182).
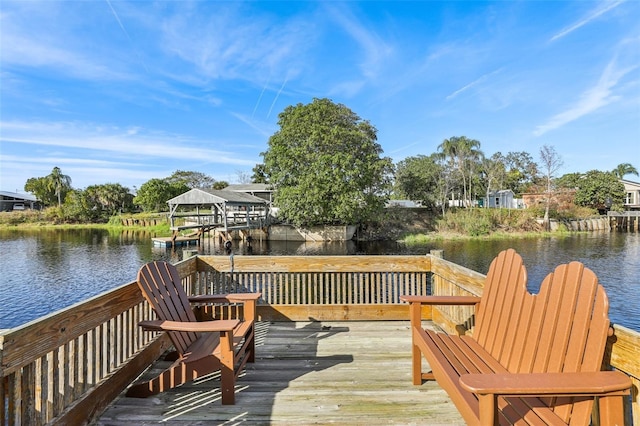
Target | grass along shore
(410,226)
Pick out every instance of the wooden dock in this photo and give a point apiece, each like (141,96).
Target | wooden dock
(625,221)
(351,372)
(176,241)
(334,347)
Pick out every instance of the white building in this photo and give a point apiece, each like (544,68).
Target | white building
(632,194)
(503,199)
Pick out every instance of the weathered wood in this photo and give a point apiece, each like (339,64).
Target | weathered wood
(624,355)
(454,280)
(37,338)
(307,373)
(319,264)
(351,312)
(104,393)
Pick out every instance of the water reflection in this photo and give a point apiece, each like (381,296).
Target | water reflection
(46,270)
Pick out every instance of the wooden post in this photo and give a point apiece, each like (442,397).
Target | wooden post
(187,253)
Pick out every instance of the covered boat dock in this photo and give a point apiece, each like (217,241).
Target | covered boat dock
(222,211)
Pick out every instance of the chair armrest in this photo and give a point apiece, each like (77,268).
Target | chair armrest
(441,300)
(225,298)
(549,384)
(202,327)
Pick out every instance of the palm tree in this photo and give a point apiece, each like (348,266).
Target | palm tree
(624,169)
(59,183)
(470,158)
(462,155)
(448,153)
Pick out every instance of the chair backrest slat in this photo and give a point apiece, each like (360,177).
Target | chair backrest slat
(502,298)
(161,285)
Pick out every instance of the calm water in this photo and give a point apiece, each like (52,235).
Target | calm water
(44,271)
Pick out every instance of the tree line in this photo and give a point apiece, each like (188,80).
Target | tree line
(327,167)
(98,203)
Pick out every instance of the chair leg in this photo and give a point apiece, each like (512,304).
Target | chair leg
(252,345)
(611,410)
(227,372)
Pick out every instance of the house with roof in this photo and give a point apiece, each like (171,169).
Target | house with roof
(260,190)
(632,194)
(10,201)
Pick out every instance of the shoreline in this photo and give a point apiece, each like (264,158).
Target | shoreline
(409,239)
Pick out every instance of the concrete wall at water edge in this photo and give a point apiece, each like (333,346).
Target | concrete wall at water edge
(315,233)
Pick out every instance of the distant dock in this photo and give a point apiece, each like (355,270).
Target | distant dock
(625,221)
(175,241)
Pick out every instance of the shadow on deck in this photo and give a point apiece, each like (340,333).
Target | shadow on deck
(307,373)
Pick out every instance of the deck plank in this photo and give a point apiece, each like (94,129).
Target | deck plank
(307,373)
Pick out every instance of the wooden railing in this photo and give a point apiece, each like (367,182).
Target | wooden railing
(324,288)
(67,367)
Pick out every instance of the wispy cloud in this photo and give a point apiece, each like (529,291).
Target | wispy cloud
(127,142)
(39,35)
(275,99)
(83,171)
(374,49)
(126,33)
(473,84)
(262,129)
(591,100)
(232,45)
(605,7)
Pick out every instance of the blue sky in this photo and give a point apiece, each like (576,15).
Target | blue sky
(122,92)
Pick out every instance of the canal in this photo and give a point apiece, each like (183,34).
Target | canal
(43,271)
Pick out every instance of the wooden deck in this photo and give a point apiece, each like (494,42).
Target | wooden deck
(352,372)
(66,367)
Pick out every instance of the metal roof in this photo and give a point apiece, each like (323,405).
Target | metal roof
(250,187)
(198,197)
(18,195)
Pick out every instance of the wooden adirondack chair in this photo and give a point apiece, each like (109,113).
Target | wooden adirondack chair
(200,347)
(532,359)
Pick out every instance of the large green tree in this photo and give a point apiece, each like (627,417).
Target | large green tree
(521,171)
(600,190)
(109,199)
(259,175)
(51,188)
(417,178)
(154,194)
(191,179)
(494,174)
(39,186)
(326,165)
